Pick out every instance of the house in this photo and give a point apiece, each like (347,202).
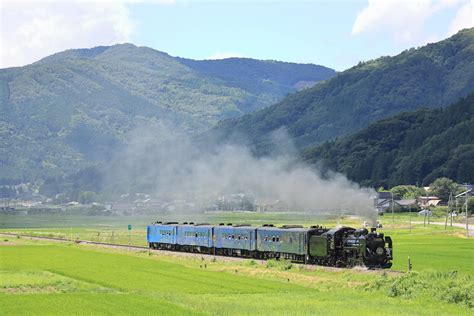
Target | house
(149,204)
(120,207)
(272,206)
(236,202)
(427,201)
(407,202)
(383,201)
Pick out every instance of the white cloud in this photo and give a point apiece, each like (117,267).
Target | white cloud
(224,55)
(464,18)
(31,30)
(405,20)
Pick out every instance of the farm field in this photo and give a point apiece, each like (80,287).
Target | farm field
(39,277)
(430,248)
(49,278)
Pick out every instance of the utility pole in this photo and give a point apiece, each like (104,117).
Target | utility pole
(452,210)
(448,210)
(391,205)
(409,216)
(467,221)
(429,215)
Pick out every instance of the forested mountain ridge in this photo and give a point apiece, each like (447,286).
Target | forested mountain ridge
(73,108)
(408,148)
(432,76)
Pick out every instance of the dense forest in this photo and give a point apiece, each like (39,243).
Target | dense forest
(434,75)
(408,148)
(73,109)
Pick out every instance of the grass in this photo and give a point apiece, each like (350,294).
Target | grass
(78,279)
(39,277)
(433,248)
(430,247)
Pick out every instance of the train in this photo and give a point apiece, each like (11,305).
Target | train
(337,247)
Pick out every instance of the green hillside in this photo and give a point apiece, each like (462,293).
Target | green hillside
(409,148)
(434,75)
(73,108)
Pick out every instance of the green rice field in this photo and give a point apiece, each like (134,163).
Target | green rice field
(42,277)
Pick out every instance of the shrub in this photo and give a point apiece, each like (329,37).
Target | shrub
(446,286)
(283,264)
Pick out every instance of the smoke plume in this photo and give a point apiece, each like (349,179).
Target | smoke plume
(170,165)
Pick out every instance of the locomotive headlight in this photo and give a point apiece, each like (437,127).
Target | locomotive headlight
(379,251)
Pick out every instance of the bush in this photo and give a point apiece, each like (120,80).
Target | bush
(446,286)
(439,211)
(282,264)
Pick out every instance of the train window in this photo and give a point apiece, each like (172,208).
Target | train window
(291,239)
(274,239)
(196,235)
(238,237)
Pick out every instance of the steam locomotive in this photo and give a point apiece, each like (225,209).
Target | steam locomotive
(337,247)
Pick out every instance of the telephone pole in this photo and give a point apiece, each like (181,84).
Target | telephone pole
(467,218)
(409,216)
(391,205)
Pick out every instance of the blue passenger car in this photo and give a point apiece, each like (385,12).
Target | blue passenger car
(195,235)
(161,234)
(235,237)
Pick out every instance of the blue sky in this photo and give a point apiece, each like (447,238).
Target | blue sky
(337,34)
(298,32)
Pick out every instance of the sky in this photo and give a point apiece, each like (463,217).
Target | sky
(336,34)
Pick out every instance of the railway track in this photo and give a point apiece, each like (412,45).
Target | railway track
(188,254)
(79,241)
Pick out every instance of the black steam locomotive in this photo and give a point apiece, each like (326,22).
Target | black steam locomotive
(337,247)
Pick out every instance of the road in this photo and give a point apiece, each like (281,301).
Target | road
(471,227)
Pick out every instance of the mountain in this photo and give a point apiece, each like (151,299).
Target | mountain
(74,108)
(432,76)
(408,148)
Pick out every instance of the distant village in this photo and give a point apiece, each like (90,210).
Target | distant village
(141,204)
(387,202)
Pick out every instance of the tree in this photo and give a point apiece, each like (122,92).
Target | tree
(407,192)
(470,205)
(86,197)
(443,187)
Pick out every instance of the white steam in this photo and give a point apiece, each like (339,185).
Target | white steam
(172,166)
